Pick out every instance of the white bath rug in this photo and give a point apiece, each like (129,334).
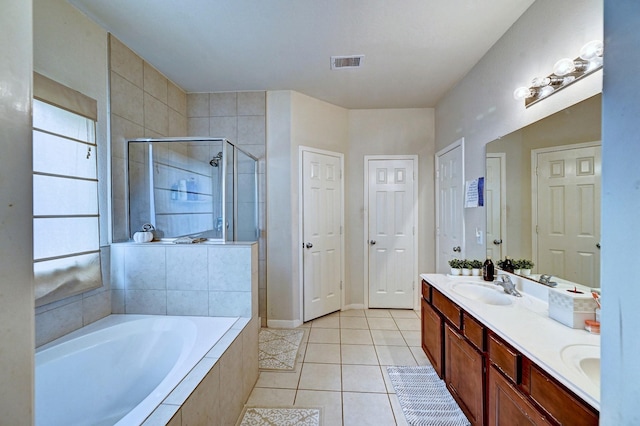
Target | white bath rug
(424,398)
(278,348)
(256,416)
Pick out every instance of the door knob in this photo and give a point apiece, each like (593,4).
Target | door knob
(598,246)
(457,249)
(308,245)
(372,242)
(497,242)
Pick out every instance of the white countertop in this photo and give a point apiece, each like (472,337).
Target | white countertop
(526,326)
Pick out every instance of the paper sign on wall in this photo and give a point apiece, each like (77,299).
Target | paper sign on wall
(473,193)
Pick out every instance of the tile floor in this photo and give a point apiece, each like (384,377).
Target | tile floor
(342,367)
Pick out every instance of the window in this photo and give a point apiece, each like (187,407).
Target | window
(66,242)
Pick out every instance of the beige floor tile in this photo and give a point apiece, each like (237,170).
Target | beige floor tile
(281,380)
(354,322)
(359,354)
(355,337)
(270,397)
(397,411)
(395,355)
(403,313)
(377,313)
(331,403)
(323,353)
(362,378)
(413,338)
(367,409)
(382,324)
(388,338)
(324,335)
(329,321)
(352,313)
(408,324)
(420,356)
(387,379)
(321,377)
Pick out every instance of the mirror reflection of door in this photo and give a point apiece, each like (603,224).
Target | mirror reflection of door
(566,203)
(496,205)
(449,217)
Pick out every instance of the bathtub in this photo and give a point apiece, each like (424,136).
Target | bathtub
(120,368)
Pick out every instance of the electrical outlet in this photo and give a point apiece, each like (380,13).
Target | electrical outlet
(479,236)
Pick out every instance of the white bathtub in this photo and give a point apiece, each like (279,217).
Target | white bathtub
(120,368)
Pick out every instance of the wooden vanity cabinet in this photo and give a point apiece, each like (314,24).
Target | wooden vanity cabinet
(431,333)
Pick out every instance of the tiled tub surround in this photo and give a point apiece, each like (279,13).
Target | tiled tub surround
(526,326)
(203,279)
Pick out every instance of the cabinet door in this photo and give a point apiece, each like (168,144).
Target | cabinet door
(508,407)
(464,368)
(432,336)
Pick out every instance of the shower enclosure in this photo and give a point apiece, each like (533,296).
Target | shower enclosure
(196,187)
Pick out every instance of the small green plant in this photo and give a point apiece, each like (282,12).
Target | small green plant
(456,263)
(466,264)
(517,263)
(476,264)
(500,264)
(526,264)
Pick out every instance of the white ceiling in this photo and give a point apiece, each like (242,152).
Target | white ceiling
(415,50)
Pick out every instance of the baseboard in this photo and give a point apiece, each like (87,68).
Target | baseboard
(283,323)
(353,306)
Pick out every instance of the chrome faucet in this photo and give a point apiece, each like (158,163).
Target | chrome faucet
(509,287)
(546,280)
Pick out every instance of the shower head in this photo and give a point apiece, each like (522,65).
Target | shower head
(215,161)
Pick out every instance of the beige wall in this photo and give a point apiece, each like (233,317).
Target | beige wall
(481,107)
(16,286)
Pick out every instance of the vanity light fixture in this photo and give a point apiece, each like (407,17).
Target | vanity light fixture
(565,72)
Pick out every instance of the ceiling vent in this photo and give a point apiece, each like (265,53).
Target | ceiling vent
(340,62)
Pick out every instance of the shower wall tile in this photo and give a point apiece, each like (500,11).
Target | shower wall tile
(117,302)
(197,105)
(176,98)
(224,127)
(198,126)
(177,124)
(155,84)
(127,100)
(145,268)
(125,62)
(229,269)
(187,269)
(251,130)
(96,306)
(156,115)
(251,103)
(57,322)
(223,104)
(146,302)
(230,303)
(121,131)
(187,303)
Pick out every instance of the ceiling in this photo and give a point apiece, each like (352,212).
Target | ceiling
(415,50)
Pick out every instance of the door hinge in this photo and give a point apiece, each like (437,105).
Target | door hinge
(414,230)
(340,285)
(340,229)
(437,173)
(537,229)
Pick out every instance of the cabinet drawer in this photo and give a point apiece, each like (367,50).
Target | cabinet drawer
(426,291)
(450,310)
(504,357)
(474,331)
(561,404)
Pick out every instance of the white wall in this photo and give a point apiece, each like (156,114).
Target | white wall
(481,107)
(16,284)
(387,132)
(620,207)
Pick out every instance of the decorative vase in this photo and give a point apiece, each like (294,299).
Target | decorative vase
(466,271)
(455,271)
(525,272)
(517,271)
(475,272)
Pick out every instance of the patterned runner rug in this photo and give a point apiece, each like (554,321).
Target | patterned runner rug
(255,416)
(278,348)
(424,398)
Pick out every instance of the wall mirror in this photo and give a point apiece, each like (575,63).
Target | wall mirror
(195,187)
(543,194)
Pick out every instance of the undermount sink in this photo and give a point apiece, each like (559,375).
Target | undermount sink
(485,293)
(585,359)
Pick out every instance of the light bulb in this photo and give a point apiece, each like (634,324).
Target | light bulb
(592,50)
(564,66)
(540,81)
(545,91)
(522,93)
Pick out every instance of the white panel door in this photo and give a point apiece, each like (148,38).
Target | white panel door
(449,217)
(568,212)
(322,248)
(391,233)
(495,205)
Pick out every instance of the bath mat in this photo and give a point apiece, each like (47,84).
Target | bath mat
(424,398)
(278,348)
(256,416)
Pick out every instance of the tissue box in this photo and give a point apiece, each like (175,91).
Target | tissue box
(570,308)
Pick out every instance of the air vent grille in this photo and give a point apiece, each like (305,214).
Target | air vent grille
(340,62)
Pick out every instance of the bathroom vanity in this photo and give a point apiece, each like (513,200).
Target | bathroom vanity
(503,359)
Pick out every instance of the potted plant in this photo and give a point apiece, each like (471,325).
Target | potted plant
(517,266)
(456,266)
(466,267)
(500,264)
(525,267)
(476,266)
